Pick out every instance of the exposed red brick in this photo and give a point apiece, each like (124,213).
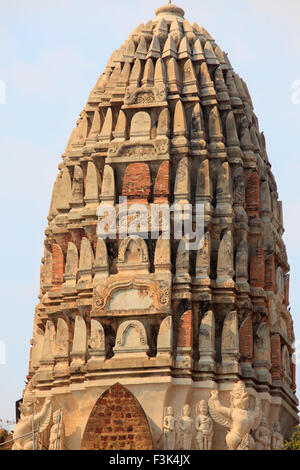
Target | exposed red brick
(276,357)
(112,430)
(257,269)
(270,273)
(137,181)
(246,340)
(185,335)
(162,184)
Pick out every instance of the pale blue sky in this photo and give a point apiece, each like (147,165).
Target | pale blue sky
(52,52)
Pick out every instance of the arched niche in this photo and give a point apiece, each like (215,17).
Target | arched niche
(117,422)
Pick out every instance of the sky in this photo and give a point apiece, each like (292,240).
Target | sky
(52,53)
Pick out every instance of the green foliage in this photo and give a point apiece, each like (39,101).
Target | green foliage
(294,442)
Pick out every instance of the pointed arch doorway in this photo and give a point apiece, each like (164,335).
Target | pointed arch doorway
(117,422)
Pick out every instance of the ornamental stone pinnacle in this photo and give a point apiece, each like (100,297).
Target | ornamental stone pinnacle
(141,342)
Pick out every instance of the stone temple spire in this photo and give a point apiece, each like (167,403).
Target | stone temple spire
(135,336)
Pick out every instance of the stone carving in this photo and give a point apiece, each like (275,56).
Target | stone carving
(225,268)
(159,295)
(29,419)
(169,429)
(186,425)
(277,442)
(56,439)
(237,418)
(131,339)
(204,427)
(145,95)
(263,436)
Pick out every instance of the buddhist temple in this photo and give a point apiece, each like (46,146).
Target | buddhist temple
(140,343)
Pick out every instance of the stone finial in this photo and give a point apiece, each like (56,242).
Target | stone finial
(148,78)
(165,337)
(163,126)
(62,340)
(189,81)
(91,196)
(203,261)
(162,257)
(230,342)
(120,130)
(71,269)
(197,135)
(180,126)
(170,49)
(174,80)
(77,188)
(96,346)
(154,49)
(207,342)
(222,90)
(96,126)
(85,265)
(216,137)
(182,182)
(198,54)
(79,346)
(184,51)
(241,262)
(225,269)
(65,191)
(223,193)
(123,79)
(176,31)
(142,49)
(161,30)
(207,91)
(203,189)
(106,131)
(108,185)
(209,54)
(136,74)
(101,263)
(160,76)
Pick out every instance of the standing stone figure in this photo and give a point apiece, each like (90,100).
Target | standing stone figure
(237,418)
(169,429)
(263,436)
(56,432)
(204,427)
(186,429)
(29,421)
(277,437)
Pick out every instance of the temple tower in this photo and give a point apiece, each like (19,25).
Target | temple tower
(134,332)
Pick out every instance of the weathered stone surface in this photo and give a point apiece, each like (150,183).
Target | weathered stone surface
(168,121)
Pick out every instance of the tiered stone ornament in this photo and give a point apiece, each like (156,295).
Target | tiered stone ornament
(131,326)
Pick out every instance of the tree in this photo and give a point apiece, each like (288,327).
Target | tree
(294,442)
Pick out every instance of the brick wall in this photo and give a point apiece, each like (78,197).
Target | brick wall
(270,273)
(137,181)
(276,357)
(257,269)
(185,334)
(57,266)
(117,422)
(162,184)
